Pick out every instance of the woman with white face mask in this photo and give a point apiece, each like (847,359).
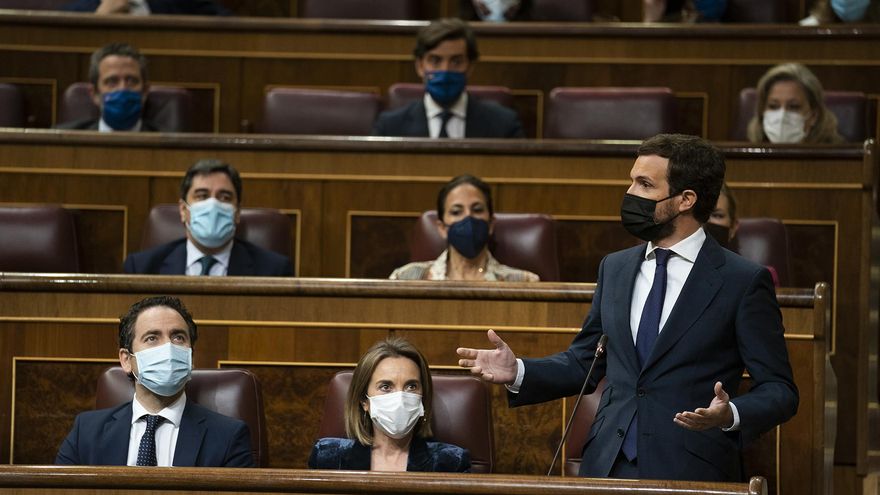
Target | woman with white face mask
(791,108)
(388,418)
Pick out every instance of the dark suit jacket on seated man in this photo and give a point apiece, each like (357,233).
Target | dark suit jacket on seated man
(118,77)
(667,411)
(144,7)
(445,54)
(210,197)
(160,427)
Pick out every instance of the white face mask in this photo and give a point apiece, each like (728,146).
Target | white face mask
(497,8)
(396,413)
(781,126)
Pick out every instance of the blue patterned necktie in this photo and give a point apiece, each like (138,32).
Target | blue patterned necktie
(147,448)
(649,327)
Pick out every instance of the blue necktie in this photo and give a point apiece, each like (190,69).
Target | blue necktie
(207,262)
(649,327)
(147,448)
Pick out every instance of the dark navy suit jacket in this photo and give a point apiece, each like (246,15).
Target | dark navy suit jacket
(484,119)
(726,319)
(93,125)
(205,439)
(180,7)
(342,453)
(245,259)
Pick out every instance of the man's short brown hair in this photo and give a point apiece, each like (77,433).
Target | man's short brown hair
(441,30)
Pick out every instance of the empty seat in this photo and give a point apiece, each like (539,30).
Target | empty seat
(765,241)
(580,429)
(38,239)
(610,113)
(310,111)
(521,240)
(402,94)
(854,121)
(756,11)
(169,108)
(265,227)
(231,392)
(359,9)
(462,415)
(562,10)
(12,113)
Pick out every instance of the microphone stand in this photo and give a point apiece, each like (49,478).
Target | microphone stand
(600,349)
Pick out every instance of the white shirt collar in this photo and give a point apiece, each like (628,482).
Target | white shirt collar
(459,108)
(103,127)
(172,413)
(687,248)
(193,255)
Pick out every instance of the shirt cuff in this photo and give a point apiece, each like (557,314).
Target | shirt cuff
(520,373)
(735,425)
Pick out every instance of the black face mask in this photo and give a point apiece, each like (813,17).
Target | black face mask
(637,214)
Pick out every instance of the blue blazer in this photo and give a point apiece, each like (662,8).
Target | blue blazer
(485,119)
(345,454)
(205,439)
(245,259)
(726,319)
(180,7)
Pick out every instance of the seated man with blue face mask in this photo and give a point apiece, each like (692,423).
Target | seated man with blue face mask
(118,74)
(159,427)
(210,199)
(446,51)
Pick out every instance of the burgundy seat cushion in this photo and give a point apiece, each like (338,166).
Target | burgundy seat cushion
(12,113)
(38,239)
(309,111)
(562,10)
(765,241)
(462,415)
(610,113)
(231,392)
(521,240)
(359,9)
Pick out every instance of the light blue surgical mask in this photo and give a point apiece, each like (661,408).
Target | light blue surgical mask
(165,369)
(850,10)
(211,222)
(122,109)
(445,86)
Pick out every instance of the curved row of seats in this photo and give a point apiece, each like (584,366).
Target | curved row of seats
(572,113)
(44,239)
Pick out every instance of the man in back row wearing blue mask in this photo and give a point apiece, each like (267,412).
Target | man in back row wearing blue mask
(160,426)
(445,55)
(210,210)
(118,74)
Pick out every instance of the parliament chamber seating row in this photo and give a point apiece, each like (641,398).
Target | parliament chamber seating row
(572,113)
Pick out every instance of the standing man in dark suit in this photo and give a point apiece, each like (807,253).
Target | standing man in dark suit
(118,74)
(159,427)
(210,209)
(683,316)
(446,52)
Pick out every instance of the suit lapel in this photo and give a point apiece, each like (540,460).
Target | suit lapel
(175,262)
(622,296)
(419,120)
(189,438)
(240,261)
(699,290)
(113,443)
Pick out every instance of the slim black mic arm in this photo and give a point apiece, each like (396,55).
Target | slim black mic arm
(600,349)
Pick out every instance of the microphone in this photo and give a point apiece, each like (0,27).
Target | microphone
(600,350)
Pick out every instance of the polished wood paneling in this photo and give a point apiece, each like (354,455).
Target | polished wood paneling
(295,332)
(38,480)
(242,56)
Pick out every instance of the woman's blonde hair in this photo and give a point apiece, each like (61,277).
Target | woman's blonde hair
(824,130)
(358,424)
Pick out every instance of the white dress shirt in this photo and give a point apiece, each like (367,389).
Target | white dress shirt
(104,127)
(194,267)
(455,125)
(138,7)
(166,432)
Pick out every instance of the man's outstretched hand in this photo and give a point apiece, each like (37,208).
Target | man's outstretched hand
(718,414)
(496,365)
